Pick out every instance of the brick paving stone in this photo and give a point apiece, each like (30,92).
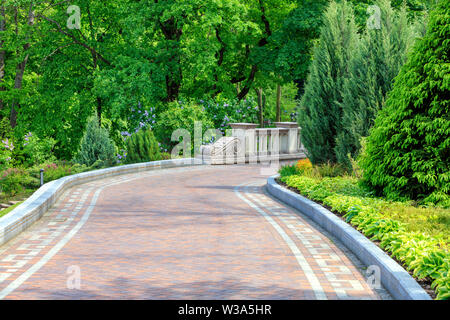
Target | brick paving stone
(186,233)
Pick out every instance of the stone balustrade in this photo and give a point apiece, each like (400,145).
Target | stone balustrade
(250,144)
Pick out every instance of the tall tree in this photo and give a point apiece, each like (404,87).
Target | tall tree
(320,115)
(373,66)
(408,150)
(2,50)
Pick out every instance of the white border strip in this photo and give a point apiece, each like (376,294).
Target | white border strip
(304,265)
(393,277)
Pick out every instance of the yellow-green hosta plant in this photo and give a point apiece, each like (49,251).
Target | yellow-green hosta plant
(427,257)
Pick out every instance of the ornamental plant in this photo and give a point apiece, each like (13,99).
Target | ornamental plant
(35,150)
(142,147)
(224,111)
(408,150)
(96,146)
(372,68)
(6,151)
(320,114)
(180,115)
(398,226)
(303,164)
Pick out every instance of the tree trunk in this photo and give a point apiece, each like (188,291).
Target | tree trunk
(172,33)
(20,70)
(260,105)
(2,51)
(278,117)
(99,111)
(261,43)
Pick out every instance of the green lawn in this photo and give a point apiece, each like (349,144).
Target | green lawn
(8,210)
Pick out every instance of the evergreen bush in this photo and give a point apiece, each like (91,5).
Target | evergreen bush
(376,62)
(320,115)
(408,150)
(96,146)
(142,147)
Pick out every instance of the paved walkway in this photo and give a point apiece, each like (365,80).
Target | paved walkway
(185,233)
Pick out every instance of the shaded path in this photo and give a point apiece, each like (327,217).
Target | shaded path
(185,233)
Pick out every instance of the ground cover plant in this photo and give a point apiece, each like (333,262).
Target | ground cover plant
(417,236)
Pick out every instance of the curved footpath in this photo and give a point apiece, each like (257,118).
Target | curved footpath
(208,232)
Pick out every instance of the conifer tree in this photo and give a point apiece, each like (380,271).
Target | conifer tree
(320,108)
(96,146)
(408,150)
(377,60)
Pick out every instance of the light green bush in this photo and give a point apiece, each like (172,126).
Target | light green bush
(96,146)
(425,254)
(408,150)
(142,147)
(180,116)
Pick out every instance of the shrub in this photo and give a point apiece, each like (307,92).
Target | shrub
(14,181)
(375,63)
(425,254)
(288,170)
(180,115)
(303,164)
(408,150)
(224,111)
(6,151)
(56,170)
(320,108)
(36,150)
(142,147)
(95,145)
(330,170)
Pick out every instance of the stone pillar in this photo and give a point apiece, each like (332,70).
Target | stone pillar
(251,145)
(245,132)
(293,135)
(262,142)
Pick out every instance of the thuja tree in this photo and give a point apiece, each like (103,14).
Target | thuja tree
(96,146)
(142,147)
(378,59)
(320,111)
(408,150)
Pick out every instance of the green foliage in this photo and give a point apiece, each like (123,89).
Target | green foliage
(408,150)
(6,152)
(180,115)
(393,224)
(142,147)
(223,111)
(36,150)
(288,170)
(15,181)
(372,68)
(56,170)
(320,115)
(24,181)
(95,145)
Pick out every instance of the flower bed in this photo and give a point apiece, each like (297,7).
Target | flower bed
(417,237)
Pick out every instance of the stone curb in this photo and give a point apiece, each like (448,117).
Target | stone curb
(35,206)
(393,277)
